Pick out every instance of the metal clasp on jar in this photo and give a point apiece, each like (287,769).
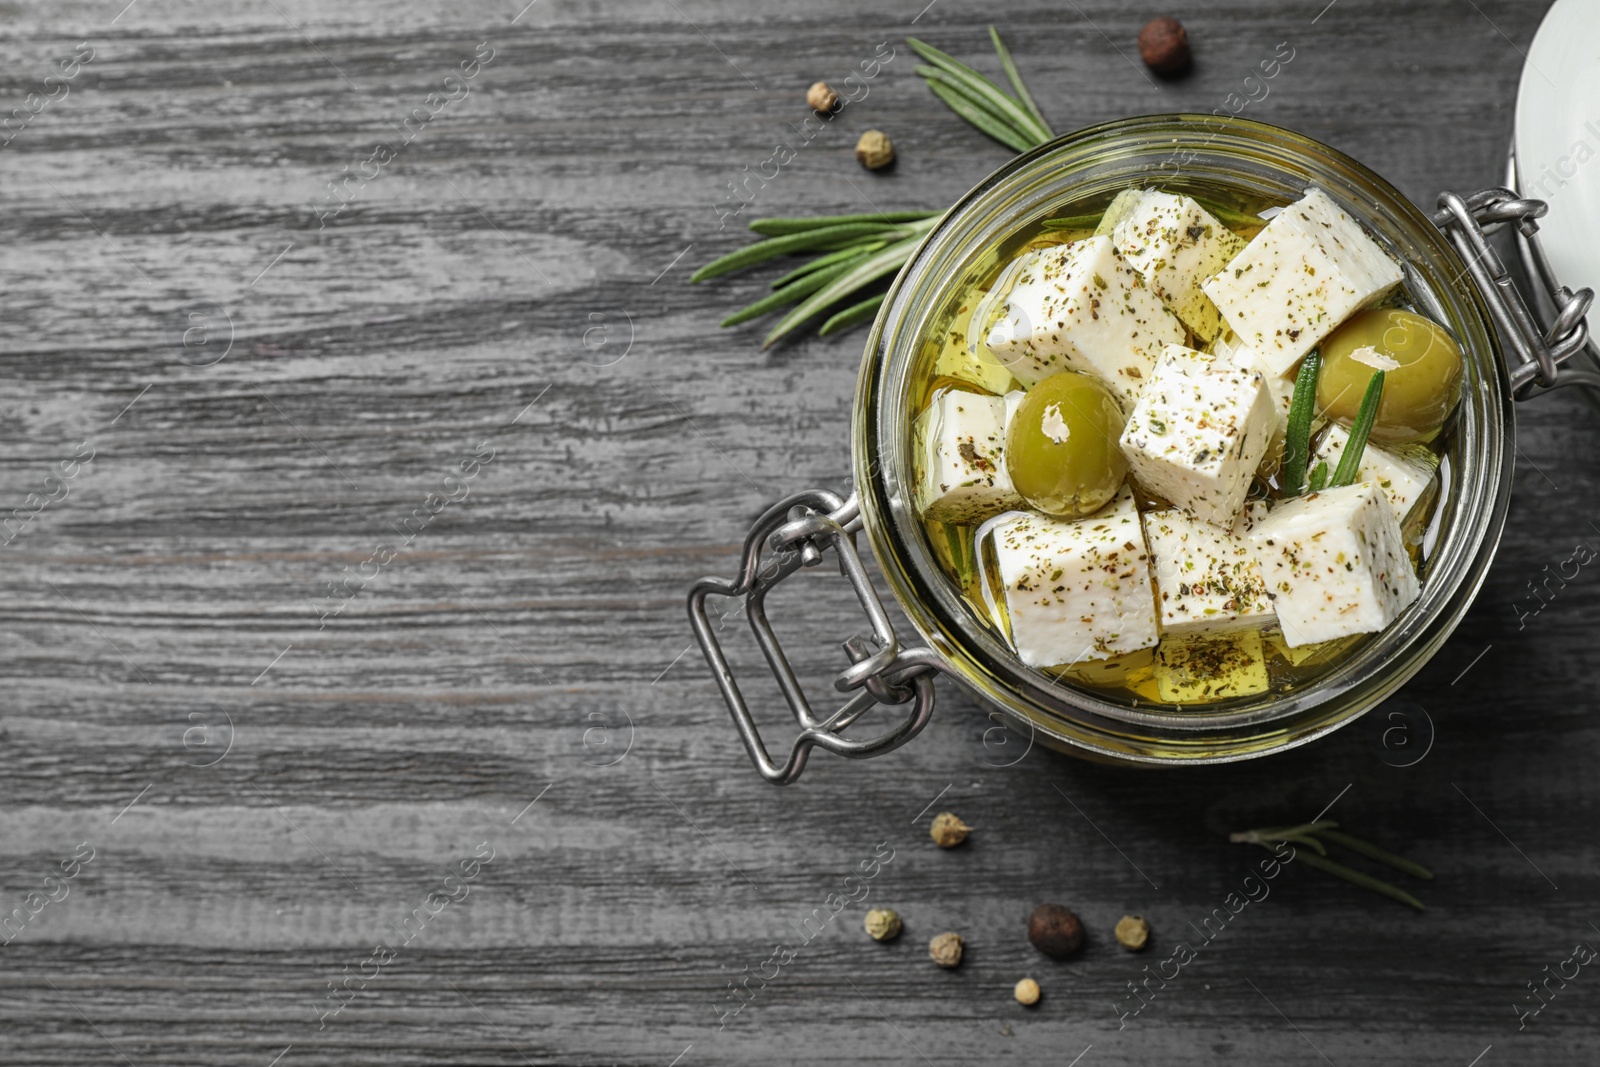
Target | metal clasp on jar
(1534,356)
(799,530)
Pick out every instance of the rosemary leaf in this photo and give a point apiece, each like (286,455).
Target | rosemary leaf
(789,294)
(945,61)
(777,227)
(1073,222)
(820,239)
(979,119)
(1310,842)
(976,99)
(1016,80)
(1350,460)
(1297,436)
(848,252)
(1354,877)
(1319,477)
(1037,132)
(1279,833)
(885,261)
(852,315)
(1382,855)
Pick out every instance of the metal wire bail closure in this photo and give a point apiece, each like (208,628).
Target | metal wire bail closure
(799,530)
(1534,356)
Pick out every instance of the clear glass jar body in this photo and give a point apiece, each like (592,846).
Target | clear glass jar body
(1219,161)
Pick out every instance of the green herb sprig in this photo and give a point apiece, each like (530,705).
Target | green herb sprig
(1360,430)
(1297,434)
(853,252)
(856,250)
(1314,837)
(1014,121)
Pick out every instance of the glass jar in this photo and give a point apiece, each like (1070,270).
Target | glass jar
(1451,273)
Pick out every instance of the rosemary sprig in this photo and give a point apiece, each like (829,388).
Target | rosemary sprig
(823,238)
(1317,835)
(1373,852)
(852,252)
(851,315)
(1015,78)
(1297,434)
(883,262)
(1365,881)
(828,260)
(856,250)
(792,293)
(963,103)
(1073,222)
(1274,833)
(1014,121)
(1366,415)
(777,227)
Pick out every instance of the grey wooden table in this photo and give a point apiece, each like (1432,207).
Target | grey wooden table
(407,435)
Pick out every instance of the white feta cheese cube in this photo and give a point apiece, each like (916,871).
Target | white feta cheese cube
(1335,564)
(959,458)
(1117,210)
(1282,391)
(1402,480)
(1228,348)
(1233,352)
(1207,580)
(1301,276)
(1313,655)
(1080,307)
(1177,244)
(1077,589)
(1254,511)
(1198,432)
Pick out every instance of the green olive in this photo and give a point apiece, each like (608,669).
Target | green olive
(1061,446)
(1422,379)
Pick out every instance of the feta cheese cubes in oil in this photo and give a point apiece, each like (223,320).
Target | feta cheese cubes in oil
(1176,245)
(1335,564)
(1076,589)
(1198,432)
(1299,278)
(1080,307)
(1191,586)
(959,458)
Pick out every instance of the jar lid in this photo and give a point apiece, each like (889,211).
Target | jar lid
(1556,149)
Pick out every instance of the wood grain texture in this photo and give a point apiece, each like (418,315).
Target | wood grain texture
(514,282)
